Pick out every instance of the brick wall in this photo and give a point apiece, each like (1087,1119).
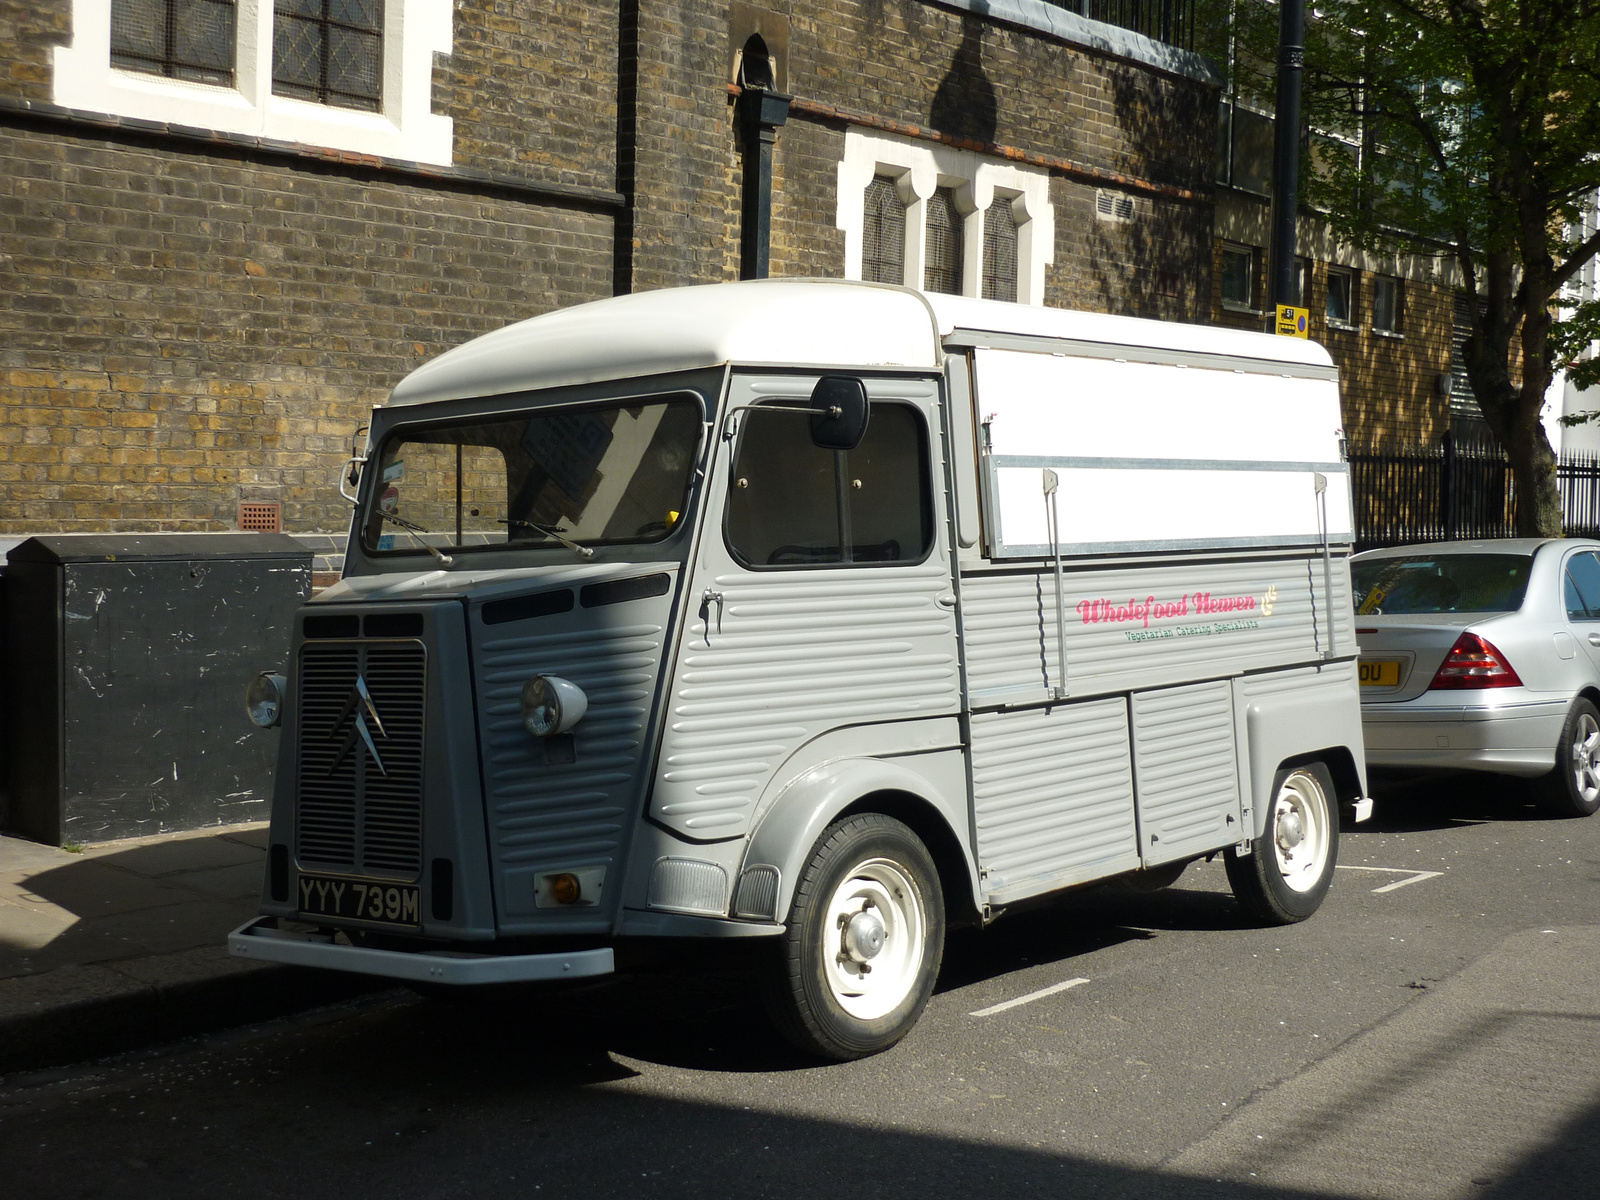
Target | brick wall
(1388,384)
(917,65)
(183,328)
(185,325)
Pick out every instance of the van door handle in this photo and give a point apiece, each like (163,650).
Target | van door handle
(948,600)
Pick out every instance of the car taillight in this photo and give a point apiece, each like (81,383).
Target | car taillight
(1474,663)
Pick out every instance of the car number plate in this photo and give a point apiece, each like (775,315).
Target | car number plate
(360,900)
(1379,672)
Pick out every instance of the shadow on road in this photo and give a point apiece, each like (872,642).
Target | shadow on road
(1416,805)
(409,1099)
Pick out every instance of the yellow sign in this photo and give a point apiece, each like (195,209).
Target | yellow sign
(1293,322)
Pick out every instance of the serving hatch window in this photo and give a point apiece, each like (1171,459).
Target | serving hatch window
(1444,583)
(595,475)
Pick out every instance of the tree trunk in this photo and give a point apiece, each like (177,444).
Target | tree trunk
(1533,462)
(1512,412)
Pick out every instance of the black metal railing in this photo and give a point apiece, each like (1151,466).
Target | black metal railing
(1455,490)
(1169,21)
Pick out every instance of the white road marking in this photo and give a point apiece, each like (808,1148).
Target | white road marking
(1416,876)
(1028,999)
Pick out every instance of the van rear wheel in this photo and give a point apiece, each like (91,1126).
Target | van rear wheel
(858,959)
(1287,872)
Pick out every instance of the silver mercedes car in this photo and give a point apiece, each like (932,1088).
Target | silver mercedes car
(1484,656)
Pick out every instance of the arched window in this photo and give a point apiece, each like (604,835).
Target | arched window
(999,251)
(883,247)
(942,270)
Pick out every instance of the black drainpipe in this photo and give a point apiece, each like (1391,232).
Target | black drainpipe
(622,230)
(762,112)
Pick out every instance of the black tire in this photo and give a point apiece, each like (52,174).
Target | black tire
(871,860)
(1268,882)
(1573,788)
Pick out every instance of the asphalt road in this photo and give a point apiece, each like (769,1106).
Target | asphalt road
(1434,1031)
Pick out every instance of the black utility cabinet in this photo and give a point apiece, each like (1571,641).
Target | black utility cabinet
(128,657)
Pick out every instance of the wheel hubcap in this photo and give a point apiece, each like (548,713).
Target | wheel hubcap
(864,936)
(1585,752)
(1301,824)
(875,939)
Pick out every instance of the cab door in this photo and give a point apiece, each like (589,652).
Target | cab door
(820,600)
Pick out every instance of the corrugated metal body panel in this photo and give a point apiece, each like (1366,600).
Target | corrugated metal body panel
(1052,796)
(545,815)
(785,656)
(1339,676)
(1342,605)
(1186,770)
(1202,621)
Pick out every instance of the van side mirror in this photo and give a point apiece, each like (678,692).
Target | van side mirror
(839,418)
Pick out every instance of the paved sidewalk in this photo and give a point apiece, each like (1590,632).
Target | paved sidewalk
(124,944)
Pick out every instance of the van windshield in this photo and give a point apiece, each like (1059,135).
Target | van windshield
(1440,583)
(603,474)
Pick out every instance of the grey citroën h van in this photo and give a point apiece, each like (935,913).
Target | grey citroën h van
(827,613)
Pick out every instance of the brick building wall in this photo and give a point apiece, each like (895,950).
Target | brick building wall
(186,326)
(1012,95)
(192,319)
(1388,382)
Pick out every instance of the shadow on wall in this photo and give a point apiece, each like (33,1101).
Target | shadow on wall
(964,103)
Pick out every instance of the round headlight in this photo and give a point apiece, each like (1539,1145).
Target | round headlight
(551,705)
(263,699)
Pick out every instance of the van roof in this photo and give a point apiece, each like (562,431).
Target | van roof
(799,322)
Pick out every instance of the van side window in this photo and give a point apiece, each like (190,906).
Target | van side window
(792,504)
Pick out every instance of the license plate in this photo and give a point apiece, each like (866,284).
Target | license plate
(1379,672)
(360,900)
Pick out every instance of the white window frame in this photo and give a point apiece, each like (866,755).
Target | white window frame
(405,128)
(1348,321)
(919,168)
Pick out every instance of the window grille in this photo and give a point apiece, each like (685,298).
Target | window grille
(180,39)
(329,52)
(1110,206)
(942,270)
(1000,252)
(883,243)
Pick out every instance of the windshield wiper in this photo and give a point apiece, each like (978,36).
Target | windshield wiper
(412,528)
(550,531)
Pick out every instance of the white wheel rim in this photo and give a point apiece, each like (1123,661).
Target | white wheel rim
(1300,831)
(1585,750)
(883,891)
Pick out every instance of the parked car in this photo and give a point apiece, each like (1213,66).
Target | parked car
(1484,656)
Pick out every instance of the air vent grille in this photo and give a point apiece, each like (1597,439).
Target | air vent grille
(1114,206)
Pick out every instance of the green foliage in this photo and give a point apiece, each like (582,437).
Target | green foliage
(1464,130)
(1570,338)
(1427,115)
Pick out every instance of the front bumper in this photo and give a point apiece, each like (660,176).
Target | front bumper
(1512,739)
(262,939)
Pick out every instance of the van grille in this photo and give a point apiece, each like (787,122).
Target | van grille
(354,815)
